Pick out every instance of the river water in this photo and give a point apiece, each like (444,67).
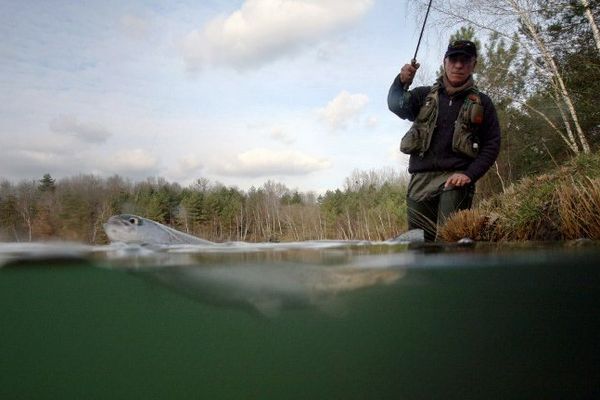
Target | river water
(312,320)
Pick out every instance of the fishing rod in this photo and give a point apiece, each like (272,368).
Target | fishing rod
(413,62)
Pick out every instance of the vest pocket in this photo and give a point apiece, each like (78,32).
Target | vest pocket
(412,141)
(463,142)
(416,140)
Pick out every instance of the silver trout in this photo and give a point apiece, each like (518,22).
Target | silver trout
(127,228)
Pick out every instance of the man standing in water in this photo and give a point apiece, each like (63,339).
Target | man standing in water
(454,139)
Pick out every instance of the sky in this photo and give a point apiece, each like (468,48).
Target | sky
(238,92)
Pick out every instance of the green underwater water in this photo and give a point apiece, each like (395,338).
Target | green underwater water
(455,324)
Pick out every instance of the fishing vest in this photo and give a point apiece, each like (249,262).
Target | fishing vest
(464,138)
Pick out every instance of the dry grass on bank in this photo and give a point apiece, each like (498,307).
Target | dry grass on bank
(580,209)
(473,224)
(563,205)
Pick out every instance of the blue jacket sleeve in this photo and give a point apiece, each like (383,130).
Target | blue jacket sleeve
(406,104)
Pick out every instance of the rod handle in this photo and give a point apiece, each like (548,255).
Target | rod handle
(413,62)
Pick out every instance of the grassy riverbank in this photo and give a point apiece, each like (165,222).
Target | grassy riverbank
(561,205)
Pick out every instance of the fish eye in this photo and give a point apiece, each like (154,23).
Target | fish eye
(133,221)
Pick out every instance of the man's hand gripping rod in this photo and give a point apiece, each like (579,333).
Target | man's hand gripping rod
(413,62)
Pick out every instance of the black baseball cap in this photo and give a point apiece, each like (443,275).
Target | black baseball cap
(464,47)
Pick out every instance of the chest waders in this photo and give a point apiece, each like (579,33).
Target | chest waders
(464,138)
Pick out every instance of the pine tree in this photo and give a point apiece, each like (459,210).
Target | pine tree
(47,183)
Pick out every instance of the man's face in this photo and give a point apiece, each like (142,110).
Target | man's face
(458,68)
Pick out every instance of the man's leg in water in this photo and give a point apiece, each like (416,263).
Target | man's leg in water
(423,215)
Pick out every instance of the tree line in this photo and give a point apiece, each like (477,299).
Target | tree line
(371,206)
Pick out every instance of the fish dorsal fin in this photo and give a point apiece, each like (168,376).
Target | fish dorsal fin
(177,237)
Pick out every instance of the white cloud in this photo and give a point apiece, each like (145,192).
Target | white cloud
(190,163)
(343,109)
(27,164)
(23,164)
(187,167)
(372,122)
(26,156)
(263,162)
(42,142)
(280,135)
(264,30)
(135,162)
(89,132)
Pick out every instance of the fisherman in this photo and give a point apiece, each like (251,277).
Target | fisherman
(454,139)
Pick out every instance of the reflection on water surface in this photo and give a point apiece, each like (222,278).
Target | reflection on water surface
(315,320)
